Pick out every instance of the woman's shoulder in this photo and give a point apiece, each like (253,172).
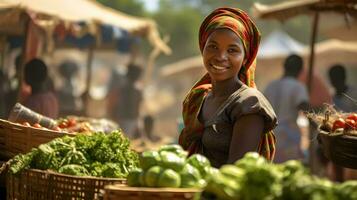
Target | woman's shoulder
(249,94)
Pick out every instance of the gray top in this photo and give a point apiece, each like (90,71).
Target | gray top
(217,133)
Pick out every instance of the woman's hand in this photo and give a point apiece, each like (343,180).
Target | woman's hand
(246,135)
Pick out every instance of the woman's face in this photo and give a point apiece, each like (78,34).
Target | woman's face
(223,54)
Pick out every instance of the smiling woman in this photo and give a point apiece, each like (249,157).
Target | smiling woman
(224,115)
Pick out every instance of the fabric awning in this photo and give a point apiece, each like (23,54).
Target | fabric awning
(73,11)
(288,9)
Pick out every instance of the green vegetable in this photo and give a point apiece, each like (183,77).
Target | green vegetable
(102,155)
(250,159)
(224,187)
(20,162)
(199,162)
(190,177)
(148,159)
(347,190)
(45,158)
(169,178)
(133,178)
(174,148)
(113,170)
(73,169)
(172,161)
(152,176)
(232,172)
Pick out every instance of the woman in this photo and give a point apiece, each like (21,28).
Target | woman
(224,115)
(42,100)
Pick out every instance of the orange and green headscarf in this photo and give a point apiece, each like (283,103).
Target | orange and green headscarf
(239,22)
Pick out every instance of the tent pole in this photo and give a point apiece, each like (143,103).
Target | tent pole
(312,155)
(312,50)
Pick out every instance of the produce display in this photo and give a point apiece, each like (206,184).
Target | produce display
(170,167)
(97,154)
(73,124)
(337,122)
(253,178)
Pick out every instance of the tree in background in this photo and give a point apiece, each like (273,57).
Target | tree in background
(131,7)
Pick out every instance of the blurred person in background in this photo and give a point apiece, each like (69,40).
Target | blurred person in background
(125,109)
(42,98)
(69,104)
(14,94)
(116,82)
(345,96)
(288,96)
(149,128)
(345,100)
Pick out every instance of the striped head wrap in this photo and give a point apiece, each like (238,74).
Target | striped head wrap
(239,22)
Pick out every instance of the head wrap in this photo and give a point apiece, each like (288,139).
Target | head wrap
(239,22)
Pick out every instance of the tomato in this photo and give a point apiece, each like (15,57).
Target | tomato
(338,123)
(72,122)
(37,125)
(26,124)
(350,124)
(56,128)
(353,117)
(63,124)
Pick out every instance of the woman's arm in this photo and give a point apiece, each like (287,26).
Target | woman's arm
(246,135)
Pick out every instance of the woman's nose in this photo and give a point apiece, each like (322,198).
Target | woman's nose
(221,55)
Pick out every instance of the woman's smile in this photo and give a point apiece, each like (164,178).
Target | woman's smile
(219,68)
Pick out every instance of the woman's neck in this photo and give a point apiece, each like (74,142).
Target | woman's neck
(226,87)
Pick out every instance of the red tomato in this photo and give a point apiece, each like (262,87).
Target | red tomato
(63,124)
(350,124)
(338,123)
(26,124)
(72,122)
(353,117)
(37,125)
(56,128)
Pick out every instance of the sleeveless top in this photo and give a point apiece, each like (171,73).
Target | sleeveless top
(218,130)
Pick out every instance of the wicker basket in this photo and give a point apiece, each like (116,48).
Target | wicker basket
(16,138)
(121,191)
(44,185)
(340,149)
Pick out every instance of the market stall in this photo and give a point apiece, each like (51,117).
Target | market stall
(43,25)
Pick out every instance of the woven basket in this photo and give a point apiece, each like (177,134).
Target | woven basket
(121,191)
(44,185)
(340,149)
(16,138)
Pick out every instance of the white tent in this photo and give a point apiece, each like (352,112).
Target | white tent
(278,44)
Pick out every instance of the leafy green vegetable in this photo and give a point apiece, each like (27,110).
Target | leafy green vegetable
(74,169)
(100,154)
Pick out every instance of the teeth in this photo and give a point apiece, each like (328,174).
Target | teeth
(219,67)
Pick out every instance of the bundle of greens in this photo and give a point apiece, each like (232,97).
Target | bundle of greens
(98,154)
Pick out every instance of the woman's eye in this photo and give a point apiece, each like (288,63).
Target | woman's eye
(212,46)
(232,50)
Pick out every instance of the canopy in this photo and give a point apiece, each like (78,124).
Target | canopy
(278,43)
(69,11)
(288,9)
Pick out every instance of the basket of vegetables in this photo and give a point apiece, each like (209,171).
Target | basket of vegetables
(16,138)
(163,174)
(338,137)
(71,167)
